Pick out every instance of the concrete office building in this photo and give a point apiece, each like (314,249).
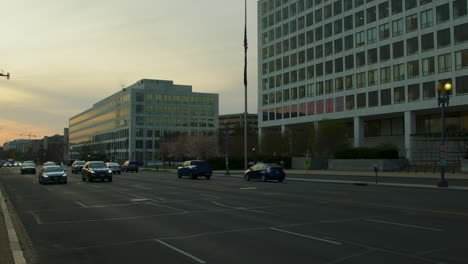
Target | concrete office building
(372,63)
(130,123)
(235,123)
(18,144)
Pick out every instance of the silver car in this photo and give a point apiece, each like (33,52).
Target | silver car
(51,174)
(114,167)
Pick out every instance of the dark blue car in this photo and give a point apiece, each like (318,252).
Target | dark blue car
(265,172)
(195,168)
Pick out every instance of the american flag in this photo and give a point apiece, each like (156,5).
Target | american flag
(245,55)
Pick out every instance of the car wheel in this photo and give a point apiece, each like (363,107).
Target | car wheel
(264,178)
(179,174)
(120,172)
(281,180)
(247,177)
(192,175)
(90,179)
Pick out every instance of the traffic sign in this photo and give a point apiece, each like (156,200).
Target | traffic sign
(307,163)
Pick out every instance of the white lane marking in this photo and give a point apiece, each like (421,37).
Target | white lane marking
(222,205)
(306,236)
(248,188)
(240,208)
(80,204)
(180,251)
(95,186)
(141,187)
(207,195)
(139,200)
(50,189)
(37,218)
(399,224)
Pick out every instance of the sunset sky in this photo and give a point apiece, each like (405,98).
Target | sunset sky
(65,55)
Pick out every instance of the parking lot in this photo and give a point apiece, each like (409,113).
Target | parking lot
(150,217)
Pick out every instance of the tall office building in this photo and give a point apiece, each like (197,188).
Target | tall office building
(130,123)
(375,64)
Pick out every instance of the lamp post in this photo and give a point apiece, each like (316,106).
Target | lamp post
(443,100)
(226,133)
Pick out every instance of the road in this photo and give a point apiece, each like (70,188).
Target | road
(156,218)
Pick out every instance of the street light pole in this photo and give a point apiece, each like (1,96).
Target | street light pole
(443,100)
(226,132)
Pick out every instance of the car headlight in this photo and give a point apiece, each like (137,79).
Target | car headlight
(92,172)
(64,175)
(45,176)
(110,171)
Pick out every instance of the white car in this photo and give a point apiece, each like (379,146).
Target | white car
(114,167)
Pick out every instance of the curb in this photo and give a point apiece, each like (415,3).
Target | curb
(15,245)
(366,183)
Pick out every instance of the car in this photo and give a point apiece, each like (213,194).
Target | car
(195,168)
(7,164)
(114,167)
(29,162)
(132,166)
(96,170)
(50,174)
(77,166)
(49,163)
(265,172)
(28,168)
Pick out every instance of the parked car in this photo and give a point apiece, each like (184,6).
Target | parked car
(195,168)
(265,171)
(28,168)
(49,174)
(132,166)
(77,166)
(114,167)
(96,170)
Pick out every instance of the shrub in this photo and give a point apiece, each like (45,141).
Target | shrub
(367,153)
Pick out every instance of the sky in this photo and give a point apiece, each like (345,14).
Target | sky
(66,55)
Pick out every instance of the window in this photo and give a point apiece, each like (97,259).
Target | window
(279,97)
(338,45)
(359,19)
(286,95)
(293,43)
(339,84)
(350,102)
(319,51)
(371,35)
(294,93)
(427,42)
(397,6)
(293,26)
(337,8)
(462,88)
(310,72)
(286,45)
(399,72)
(429,90)
(397,27)
(445,63)
(442,13)
(460,33)
(338,65)
(348,5)
(309,19)
(310,90)
(349,42)
(360,59)
(301,40)
(413,92)
(383,10)
(318,15)
(318,33)
(413,69)
(361,80)
(412,46)
(373,77)
(310,36)
(386,97)
(349,82)
(310,54)
(348,22)
(338,26)
(301,56)
(371,14)
(409,4)
(349,62)
(320,88)
(461,59)
(426,18)
(327,11)
(358,3)
(328,30)
(279,80)
(385,75)
(361,100)
(294,76)
(329,67)
(328,86)
(399,95)
(398,49)
(286,62)
(443,37)
(360,39)
(460,8)
(411,23)
(319,69)
(302,92)
(428,67)
(384,31)
(373,98)
(372,56)
(384,52)
(286,78)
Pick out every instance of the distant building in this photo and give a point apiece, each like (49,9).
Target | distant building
(129,124)
(235,123)
(17,144)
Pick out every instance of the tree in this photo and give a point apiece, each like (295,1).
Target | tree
(331,137)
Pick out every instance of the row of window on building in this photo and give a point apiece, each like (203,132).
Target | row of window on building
(175,99)
(117,103)
(174,122)
(398,72)
(175,110)
(383,97)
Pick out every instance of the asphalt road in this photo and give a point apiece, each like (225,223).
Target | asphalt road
(156,218)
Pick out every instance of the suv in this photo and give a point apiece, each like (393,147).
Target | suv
(130,166)
(96,170)
(77,166)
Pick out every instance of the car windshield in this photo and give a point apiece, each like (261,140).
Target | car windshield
(198,163)
(97,165)
(79,163)
(112,164)
(28,165)
(53,169)
(272,165)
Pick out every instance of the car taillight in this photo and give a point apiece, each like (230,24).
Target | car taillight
(120,167)
(195,168)
(282,169)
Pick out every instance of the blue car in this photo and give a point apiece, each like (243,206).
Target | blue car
(265,172)
(195,168)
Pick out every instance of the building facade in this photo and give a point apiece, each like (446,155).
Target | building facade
(373,63)
(231,131)
(129,124)
(18,144)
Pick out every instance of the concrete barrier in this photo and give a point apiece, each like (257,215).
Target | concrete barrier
(366,164)
(315,163)
(464,165)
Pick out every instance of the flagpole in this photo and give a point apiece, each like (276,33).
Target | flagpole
(245,86)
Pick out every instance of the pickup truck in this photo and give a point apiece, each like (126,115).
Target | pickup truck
(195,168)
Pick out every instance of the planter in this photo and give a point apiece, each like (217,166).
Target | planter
(464,165)
(366,164)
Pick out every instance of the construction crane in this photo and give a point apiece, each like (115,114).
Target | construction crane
(27,135)
(6,75)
